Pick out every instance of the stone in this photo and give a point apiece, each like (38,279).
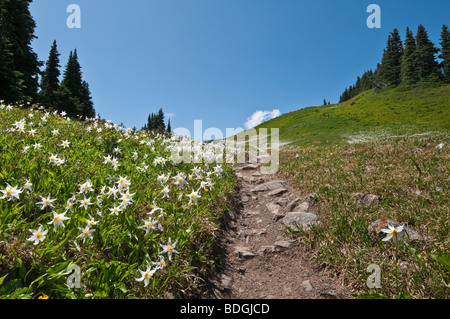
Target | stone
(284,244)
(282,201)
(272,206)
(296,220)
(329,294)
(243,252)
(278,192)
(370,199)
(257,181)
(290,207)
(250,167)
(259,189)
(408,233)
(366,199)
(307,285)
(256,174)
(239,175)
(303,207)
(267,249)
(277,216)
(226,282)
(273,185)
(245,199)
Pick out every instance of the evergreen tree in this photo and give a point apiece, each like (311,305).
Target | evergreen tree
(445,53)
(409,72)
(160,124)
(18,58)
(169,127)
(11,81)
(390,67)
(79,101)
(324,102)
(50,79)
(427,66)
(86,100)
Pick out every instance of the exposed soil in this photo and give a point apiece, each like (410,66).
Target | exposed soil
(262,259)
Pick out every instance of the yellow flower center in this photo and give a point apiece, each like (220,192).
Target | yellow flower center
(149,224)
(394,233)
(169,248)
(192,196)
(147,275)
(85,202)
(46,201)
(38,235)
(85,233)
(56,219)
(180,180)
(8,192)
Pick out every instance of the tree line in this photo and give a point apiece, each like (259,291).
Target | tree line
(407,63)
(20,67)
(156,123)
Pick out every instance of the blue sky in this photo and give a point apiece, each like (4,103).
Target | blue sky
(220,61)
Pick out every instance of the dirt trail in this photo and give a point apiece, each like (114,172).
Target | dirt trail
(262,260)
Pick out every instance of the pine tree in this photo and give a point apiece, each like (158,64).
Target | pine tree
(86,99)
(409,72)
(169,127)
(390,67)
(445,53)
(11,81)
(16,35)
(50,79)
(80,101)
(427,66)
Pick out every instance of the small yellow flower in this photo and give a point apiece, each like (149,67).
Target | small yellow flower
(43,297)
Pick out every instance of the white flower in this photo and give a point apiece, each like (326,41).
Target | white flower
(165,192)
(193,197)
(85,202)
(146,275)
(149,225)
(115,210)
(169,249)
(38,235)
(58,220)
(180,180)
(37,146)
(85,187)
(55,132)
(53,159)
(46,202)
(65,144)
(392,232)
(441,146)
(11,192)
(85,233)
(27,185)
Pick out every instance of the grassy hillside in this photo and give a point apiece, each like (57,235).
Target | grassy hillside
(387,113)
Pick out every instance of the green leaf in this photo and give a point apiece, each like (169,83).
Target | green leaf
(2,279)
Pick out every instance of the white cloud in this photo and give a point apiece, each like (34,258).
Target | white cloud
(261,116)
(170,115)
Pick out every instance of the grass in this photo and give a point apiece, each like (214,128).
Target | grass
(387,113)
(413,195)
(110,261)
